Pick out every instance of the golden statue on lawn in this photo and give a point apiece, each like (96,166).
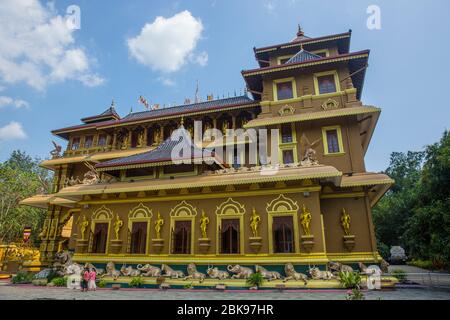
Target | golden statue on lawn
(305,220)
(345,222)
(204,221)
(158,225)
(117,226)
(255,220)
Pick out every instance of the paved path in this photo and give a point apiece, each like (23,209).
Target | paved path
(29,292)
(423,276)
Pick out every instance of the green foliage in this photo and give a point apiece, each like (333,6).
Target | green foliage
(400,275)
(349,280)
(424,264)
(355,294)
(22,277)
(20,177)
(102,284)
(188,286)
(255,279)
(415,213)
(60,281)
(137,282)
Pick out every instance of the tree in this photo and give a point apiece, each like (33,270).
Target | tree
(20,177)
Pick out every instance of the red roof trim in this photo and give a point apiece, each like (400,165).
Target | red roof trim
(301,41)
(244,72)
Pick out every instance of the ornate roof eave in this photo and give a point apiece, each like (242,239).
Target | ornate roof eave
(159,164)
(112,124)
(343,112)
(325,60)
(43,201)
(303,42)
(310,172)
(52,164)
(179,114)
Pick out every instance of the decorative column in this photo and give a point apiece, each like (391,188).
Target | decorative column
(114,142)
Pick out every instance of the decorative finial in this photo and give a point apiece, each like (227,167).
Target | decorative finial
(300,31)
(131,109)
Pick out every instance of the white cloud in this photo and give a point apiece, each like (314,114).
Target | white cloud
(269,5)
(166,81)
(12,131)
(17,103)
(37,47)
(167,43)
(201,58)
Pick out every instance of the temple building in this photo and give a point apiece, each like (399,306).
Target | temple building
(120,195)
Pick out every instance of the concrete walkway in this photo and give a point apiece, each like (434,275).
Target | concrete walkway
(424,277)
(29,292)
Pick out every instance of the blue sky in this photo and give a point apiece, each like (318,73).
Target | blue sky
(80,72)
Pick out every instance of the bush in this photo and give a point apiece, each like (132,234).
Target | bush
(101,284)
(400,275)
(22,277)
(137,282)
(349,280)
(188,286)
(424,264)
(255,279)
(355,294)
(60,281)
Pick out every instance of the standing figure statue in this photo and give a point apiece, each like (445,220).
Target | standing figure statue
(204,221)
(345,221)
(83,226)
(125,142)
(158,225)
(140,139)
(224,127)
(305,220)
(255,220)
(117,226)
(157,136)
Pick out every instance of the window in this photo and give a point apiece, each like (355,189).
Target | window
(323,53)
(75,143)
(182,237)
(333,142)
(102,140)
(326,84)
(229,236)
(283,232)
(100,238)
(139,237)
(88,141)
(286,133)
(332,138)
(288,156)
(284,90)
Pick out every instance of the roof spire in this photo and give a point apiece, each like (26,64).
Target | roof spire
(300,32)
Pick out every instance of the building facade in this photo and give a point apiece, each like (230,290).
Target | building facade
(120,195)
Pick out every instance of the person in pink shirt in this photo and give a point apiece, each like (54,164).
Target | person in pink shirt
(92,277)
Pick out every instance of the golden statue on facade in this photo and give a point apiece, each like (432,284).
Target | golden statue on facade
(345,221)
(140,140)
(83,226)
(157,136)
(305,220)
(255,220)
(158,225)
(125,142)
(204,221)
(224,127)
(117,226)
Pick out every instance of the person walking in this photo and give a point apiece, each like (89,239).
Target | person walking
(92,277)
(84,280)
